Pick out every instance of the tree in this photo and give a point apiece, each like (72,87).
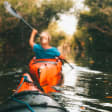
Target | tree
(57,35)
(37,14)
(98,23)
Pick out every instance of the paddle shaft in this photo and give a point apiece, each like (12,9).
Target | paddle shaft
(68,63)
(27,23)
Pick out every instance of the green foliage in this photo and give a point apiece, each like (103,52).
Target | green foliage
(98,24)
(98,3)
(36,13)
(82,39)
(57,36)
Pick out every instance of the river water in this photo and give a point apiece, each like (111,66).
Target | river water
(86,88)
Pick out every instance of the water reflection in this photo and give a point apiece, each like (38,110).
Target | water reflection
(97,60)
(89,91)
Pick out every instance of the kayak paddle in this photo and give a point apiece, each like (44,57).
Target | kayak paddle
(13,12)
(68,63)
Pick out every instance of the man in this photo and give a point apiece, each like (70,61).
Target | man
(43,50)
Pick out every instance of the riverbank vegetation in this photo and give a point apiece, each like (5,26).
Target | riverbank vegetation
(94,26)
(93,38)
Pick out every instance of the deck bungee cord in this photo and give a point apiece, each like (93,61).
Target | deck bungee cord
(25,79)
(22,102)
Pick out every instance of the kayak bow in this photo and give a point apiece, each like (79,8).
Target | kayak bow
(28,98)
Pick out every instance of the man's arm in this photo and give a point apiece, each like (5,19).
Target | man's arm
(32,37)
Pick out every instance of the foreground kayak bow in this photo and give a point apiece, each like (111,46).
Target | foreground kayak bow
(28,98)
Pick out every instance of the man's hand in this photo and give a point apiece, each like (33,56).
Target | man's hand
(34,31)
(62,57)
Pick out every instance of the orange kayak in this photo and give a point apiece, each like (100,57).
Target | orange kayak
(47,72)
(29,98)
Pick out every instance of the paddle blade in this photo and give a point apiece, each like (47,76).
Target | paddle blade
(11,10)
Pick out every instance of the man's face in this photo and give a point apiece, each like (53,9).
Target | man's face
(44,38)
